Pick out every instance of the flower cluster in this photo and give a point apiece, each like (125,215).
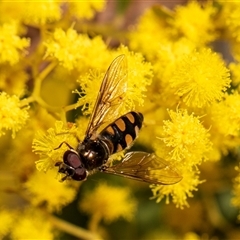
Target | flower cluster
(105,208)
(53,58)
(12,45)
(193,82)
(12,115)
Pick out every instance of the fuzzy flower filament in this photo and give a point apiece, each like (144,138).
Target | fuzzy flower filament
(133,91)
(195,22)
(112,203)
(200,78)
(11,45)
(12,115)
(180,192)
(85,9)
(186,142)
(42,193)
(186,138)
(226,113)
(72,49)
(48,146)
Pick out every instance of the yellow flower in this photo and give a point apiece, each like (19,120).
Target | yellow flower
(7,219)
(109,203)
(228,21)
(195,22)
(179,192)
(89,87)
(191,236)
(70,55)
(82,123)
(10,11)
(191,22)
(41,12)
(86,9)
(12,116)
(46,145)
(13,79)
(32,224)
(185,144)
(168,55)
(21,148)
(230,17)
(150,24)
(186,138)
(11,45)
(223,119)
(226,116)
(200,78)
(139,77)
(42,193)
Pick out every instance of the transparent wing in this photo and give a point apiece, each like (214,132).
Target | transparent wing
(110,95)
(145,167)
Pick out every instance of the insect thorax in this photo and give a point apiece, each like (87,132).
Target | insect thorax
(93,153)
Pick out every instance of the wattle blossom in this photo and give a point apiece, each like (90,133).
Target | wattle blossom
(53,58)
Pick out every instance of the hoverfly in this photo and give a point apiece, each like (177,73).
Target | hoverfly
(94,151)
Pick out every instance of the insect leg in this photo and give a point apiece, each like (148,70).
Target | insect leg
(62,144)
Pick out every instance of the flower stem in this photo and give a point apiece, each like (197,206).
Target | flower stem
(41,77)
(73,229)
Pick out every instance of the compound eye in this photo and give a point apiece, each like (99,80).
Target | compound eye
(72,159)
(80,174)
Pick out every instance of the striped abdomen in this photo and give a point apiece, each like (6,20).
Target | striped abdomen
(121,133)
